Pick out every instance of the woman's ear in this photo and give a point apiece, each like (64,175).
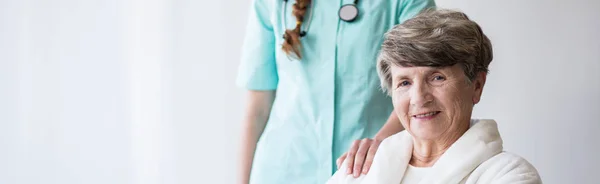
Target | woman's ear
(478,84)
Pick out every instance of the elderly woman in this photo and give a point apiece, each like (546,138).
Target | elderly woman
(434,66)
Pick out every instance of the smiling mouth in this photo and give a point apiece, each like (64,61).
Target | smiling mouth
(426,115)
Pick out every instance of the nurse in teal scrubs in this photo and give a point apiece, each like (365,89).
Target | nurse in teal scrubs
(309,68)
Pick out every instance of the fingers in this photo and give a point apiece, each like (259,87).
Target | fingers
(350,156)
(370,156)
(340,160)
(360,156)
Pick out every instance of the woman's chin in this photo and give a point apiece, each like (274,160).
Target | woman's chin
(424,132)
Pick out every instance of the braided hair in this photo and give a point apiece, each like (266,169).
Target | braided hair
(291,37)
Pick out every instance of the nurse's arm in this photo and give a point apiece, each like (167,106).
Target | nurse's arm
(258,108)
(361,153)
(391,127)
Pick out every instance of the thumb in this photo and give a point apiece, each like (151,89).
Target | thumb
(340,160)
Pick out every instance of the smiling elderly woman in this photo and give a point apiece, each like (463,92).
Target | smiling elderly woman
(434,66)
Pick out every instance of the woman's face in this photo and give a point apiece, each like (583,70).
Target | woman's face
(433,103)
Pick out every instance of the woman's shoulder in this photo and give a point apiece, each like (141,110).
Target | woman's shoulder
(507,167)
(395,138)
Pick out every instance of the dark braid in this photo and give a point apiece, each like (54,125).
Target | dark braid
(291,37)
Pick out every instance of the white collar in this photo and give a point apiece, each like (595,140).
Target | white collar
(481,142)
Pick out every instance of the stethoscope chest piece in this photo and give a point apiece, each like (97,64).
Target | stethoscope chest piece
(348,12)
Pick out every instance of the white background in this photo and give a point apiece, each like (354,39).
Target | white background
(132,91)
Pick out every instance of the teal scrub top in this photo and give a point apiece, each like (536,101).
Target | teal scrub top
(327,99)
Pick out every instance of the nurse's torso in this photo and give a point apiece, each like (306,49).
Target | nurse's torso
(330,97)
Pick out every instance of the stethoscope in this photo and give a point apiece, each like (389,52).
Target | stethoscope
(348,13)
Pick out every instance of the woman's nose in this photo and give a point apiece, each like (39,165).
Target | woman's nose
(421,95)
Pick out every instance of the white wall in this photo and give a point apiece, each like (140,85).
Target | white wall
(81,98)
(63,115)
(140,91)
(132,91)
(206,103)
(544,85)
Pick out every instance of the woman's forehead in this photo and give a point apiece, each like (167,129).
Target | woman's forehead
(405,71)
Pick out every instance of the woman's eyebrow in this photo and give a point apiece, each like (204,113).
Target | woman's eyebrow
(400,77)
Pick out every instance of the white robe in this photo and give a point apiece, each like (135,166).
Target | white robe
(476,157)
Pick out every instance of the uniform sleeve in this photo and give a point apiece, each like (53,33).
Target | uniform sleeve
(410,8)
(257,69)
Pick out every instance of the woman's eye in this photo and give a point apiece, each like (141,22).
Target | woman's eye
(438,78)
(404,83)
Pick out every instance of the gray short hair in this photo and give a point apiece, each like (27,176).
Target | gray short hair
(435,38)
